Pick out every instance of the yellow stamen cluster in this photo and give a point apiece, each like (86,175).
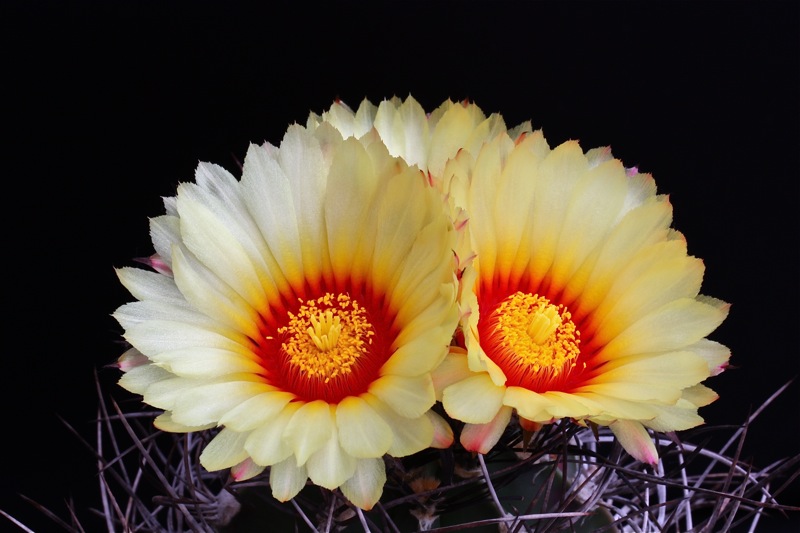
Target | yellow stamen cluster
(539,334)
(326,336)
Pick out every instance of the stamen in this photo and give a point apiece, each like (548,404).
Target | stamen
(326,336)
(532,340)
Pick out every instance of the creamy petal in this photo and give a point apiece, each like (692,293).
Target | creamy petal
(683,415)
(268,196)
(546,406)
(419,355)
(475,400)
(286,479)
(443,436)
(165,231)
(365,486)
(164,422)
(715,354)
(225,450)
(309,429)
(156,336)
(673,326)
(634,438)
(266,443)
(202,362)
(330,466)
(453,369)
(204,404)
(213,297)
(699,395)
(219,250)
(130,359)
(245,470)
(409,397)
(481,438)
(138,379)
(256,411)
(410,434)
(362,432)
(146,285)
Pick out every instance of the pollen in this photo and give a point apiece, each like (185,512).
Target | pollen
(532,339)
(326,336)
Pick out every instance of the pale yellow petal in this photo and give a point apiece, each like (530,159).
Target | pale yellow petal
(131,358)
(715,354)
(451,133)
(245,470)
(266,444)
(640,228)
(585,223)
(132,314)
(410,434)
(659,274)
(634,438)
(256,411)
(222,195)
(362,432)
(485,173)
(309,429)
(212,296)
(365,486)
(673,326)
(164,422)
(442,432)
(409,397)
(436,319)
(138,379)
(165,231)
(403,208)
(419,355)
(264,183)
(613,408)
(699,395)
(164,393)
(352,186)
(481,438)
(146,285)
(344,119)
(330,466)
(303,162)
(475,400)
(218,249)
(514,192)
(202,362)
(204,404)
(556,178)
(659,377)
(155,336)
(425,266)
(405,130)
(681,416)
(286,479)
(454,368)
(225,450)
(546,406)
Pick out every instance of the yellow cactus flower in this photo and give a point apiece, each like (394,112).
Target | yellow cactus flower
(300,310)
(581,301)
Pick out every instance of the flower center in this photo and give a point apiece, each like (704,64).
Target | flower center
(532,340)
(326,337)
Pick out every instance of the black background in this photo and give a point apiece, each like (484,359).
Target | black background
(108,105)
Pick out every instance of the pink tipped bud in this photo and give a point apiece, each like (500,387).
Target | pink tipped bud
(156,263)
(131,359)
